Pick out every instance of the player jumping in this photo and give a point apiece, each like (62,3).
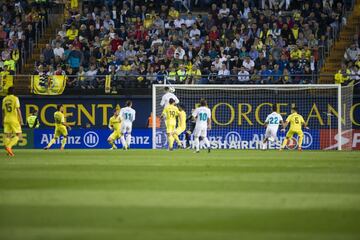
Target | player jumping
(181,125)
(127,116)
(166,97)
(296,121)
(114,124)
(202,115)
(12,120)
(60,128)
(272,125)
(170,114)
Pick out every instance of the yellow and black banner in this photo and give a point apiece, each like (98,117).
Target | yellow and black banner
(108,84)
(48,85)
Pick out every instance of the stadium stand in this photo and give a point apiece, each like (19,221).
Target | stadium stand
(348,36)
(232,42)
(23,24)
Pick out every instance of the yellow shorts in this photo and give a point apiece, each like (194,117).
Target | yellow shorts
(12,127)
(179,131)
(170,128)
(61,131)
(291,133)
(115,135)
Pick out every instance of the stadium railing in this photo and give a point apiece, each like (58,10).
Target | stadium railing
(125,83)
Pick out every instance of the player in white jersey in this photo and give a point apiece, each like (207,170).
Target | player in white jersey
(166,97)
(272,122)
(202,115)
(127,117)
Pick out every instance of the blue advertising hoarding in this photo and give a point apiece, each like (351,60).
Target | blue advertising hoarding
(247,139)
(92,139)
(142,139)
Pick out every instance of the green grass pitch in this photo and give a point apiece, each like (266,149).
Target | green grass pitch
(160,195)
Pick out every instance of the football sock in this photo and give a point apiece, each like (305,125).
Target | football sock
(123,142)
(284,143)
(264,145)
(128,140)
(7,141)
(13,141)
(171,142)
(111,142)
(63,142)
(206,141)
(188,136)
(300,140)
(52,141)
(176,137)
(197,144)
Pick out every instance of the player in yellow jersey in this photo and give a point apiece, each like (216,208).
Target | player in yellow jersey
(296,122)
(170,114)
(181,127)
(115,125)
(12,120)
(60,128)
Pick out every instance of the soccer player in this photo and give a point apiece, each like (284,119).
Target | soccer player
(33,120)
(12,120)
(166,97)
(170,114)
(115,125)
(60,128)
(272,125)
(190,131)
(127,117)
(202,115)
(181,125)
(296,122)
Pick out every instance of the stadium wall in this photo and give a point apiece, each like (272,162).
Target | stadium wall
(229,112)
(240,122)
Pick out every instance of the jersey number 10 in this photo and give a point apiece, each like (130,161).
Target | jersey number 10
(203,116)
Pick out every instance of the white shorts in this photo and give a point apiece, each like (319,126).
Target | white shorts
(126,127)
(271,133)
(200,131)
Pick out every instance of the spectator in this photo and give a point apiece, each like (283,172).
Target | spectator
(286,78)
(243,75)
(295,53)
(352,53)
(193,75)
(72,33)
(75,58)
(248,64)
(265,75)
(223,74)
(181,74)
(59,51)
(81,80)
(276,74)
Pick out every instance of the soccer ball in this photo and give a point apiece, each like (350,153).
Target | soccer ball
(171,89)
(292,143)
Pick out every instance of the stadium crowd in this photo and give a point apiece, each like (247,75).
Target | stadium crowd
(18,23)
(350,68)
(140,43)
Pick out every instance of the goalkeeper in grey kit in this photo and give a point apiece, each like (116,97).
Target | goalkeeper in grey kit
(191,122)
